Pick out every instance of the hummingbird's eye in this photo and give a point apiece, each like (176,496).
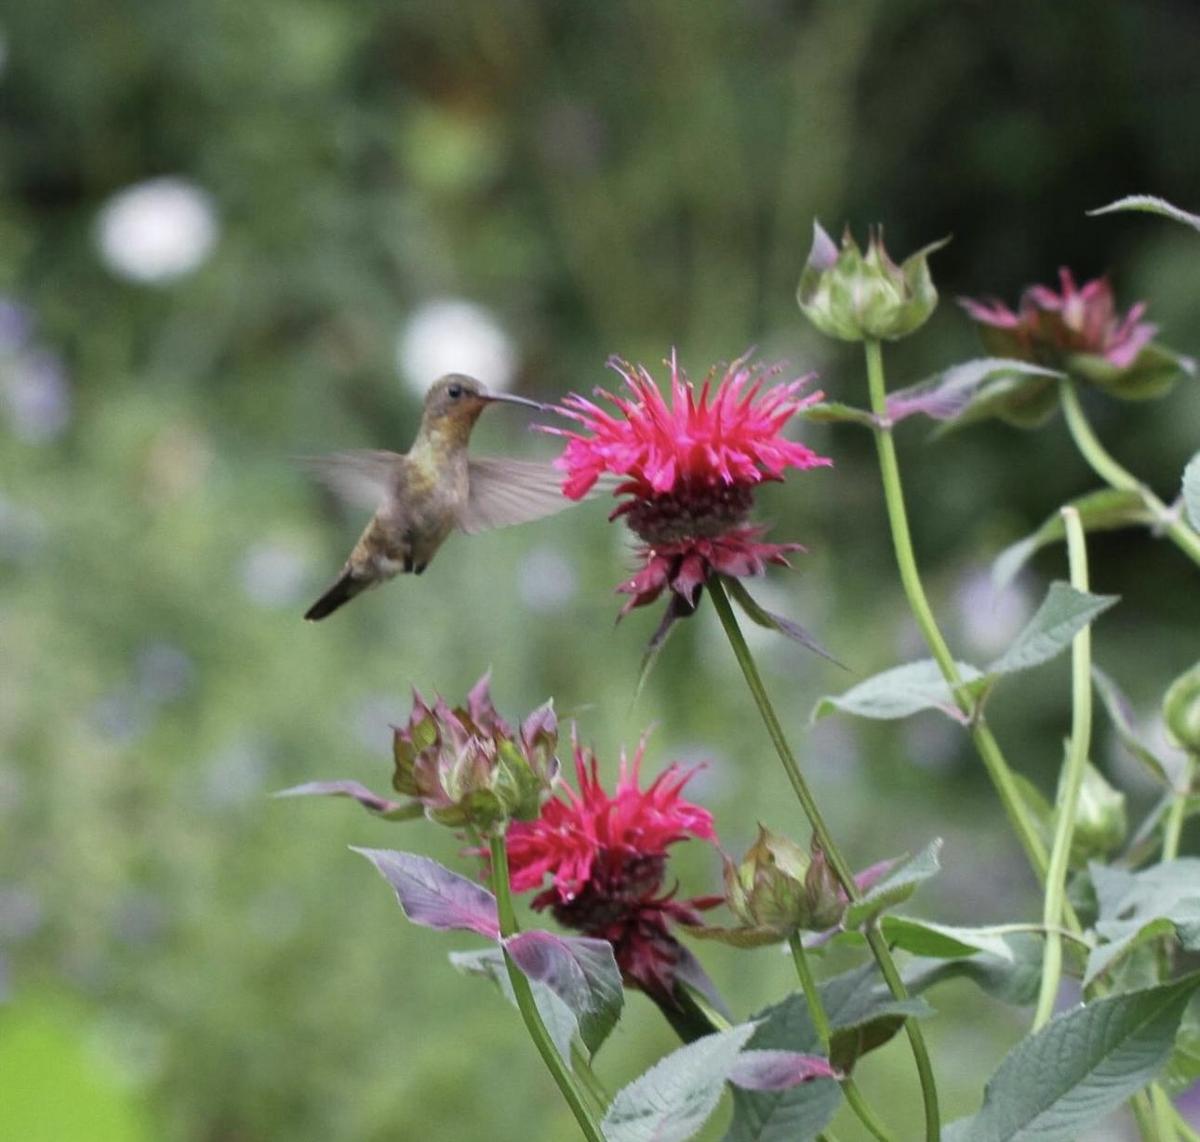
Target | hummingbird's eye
(454,392)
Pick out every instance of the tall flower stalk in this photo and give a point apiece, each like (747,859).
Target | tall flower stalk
(985,742)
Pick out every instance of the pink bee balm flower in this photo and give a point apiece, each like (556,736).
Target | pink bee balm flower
(607,857)
(687,470)
(1048,327)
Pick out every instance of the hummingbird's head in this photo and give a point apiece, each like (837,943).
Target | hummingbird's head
(455,402)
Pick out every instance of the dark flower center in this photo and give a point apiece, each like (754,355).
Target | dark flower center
(706,511)
(618,884)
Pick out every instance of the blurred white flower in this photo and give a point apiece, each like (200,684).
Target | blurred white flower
(275,574)
(450,335)
(546,580)
(990,619)
(35,394)
(156,231)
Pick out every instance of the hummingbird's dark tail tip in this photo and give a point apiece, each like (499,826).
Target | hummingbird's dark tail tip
(341,592)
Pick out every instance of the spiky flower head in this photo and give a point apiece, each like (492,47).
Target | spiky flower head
(687,468)
(466,765)
(606,855)
(855,296)
(1077,330)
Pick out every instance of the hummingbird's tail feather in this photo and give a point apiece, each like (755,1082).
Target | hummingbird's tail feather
(347,586)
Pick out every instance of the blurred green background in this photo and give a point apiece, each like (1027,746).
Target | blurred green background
(236,232)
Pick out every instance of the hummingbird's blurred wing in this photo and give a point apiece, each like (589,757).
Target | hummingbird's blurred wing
(364,479)
(501,492)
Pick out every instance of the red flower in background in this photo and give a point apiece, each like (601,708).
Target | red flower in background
(1050,327)
(608,855)
(687,471)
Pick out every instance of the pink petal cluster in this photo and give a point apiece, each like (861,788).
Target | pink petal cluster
(684,565)
(1049,326)
(572,834)
(607,856)
(730,434)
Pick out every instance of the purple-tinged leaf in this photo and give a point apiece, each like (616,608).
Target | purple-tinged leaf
(360,793)
(756,613)
(433,896)
(778,1070)
(901,881)
(1121,714)
(559,1019)
(582,972)
(947,395)
(674,1098)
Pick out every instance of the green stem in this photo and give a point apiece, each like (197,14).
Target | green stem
(592,1085)
(525,1001)
(820,1022)
(1164,1115)
(1143,1114)
(1113,474)
(879,948)
(893,494)
(1072,779)
(1186,1131)
(816,1009)
(1173,826)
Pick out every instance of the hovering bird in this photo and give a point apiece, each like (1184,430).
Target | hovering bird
(421,496)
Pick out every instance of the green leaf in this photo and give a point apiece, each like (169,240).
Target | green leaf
(1183,1069)
(1148,204)
(863,1015)
(674,1098)
(941,941)
(559,1019)
(1120,712)
(896,887)
(1152,373)
(831,412)
(1015,978)
(1063,614)
(1106,510)
(1056,1084)
(899,692)
(1191,491)
(1135,907)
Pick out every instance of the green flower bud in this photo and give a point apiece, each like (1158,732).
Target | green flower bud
(1181,710)
(855,297)
(778,886)
(1100,820)
(468,767)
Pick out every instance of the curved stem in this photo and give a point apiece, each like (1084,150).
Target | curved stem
(1164,1115)
(1116,476)
(878,945)
(820,1022)
(1072,778)
(1173,826)
(893,493)
(525,1001)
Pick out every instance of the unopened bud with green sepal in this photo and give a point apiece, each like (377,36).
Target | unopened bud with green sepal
(857,297)
(1181,710)
(1101,824)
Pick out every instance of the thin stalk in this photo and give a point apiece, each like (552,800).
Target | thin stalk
(878,945)
(1112,473)
(1164,1115)
(1186,1131)
(1173,826)
(525,1002)
(820,1022)
(1143,1114)
(592,1085)
(986,744)
(1072,779)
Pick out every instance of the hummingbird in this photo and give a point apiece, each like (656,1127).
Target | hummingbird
(419,497)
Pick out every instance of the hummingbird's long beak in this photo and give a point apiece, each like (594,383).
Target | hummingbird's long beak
(508,398)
